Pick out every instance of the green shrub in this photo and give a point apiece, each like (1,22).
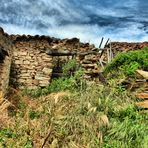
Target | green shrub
(62,84)
(127,129)
(98,117)
(129,69)
(34,114)
(5,134)
(129,62)
(70,68)
(34,92)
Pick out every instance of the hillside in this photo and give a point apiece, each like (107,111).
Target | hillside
(72,94)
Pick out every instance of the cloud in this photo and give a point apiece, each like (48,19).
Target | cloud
(72,18)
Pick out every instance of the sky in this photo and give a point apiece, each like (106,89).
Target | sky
(91,20)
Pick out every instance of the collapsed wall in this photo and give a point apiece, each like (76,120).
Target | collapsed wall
(5,62)
(33,66)
(38,59)
(124,46)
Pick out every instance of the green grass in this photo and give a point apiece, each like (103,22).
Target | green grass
(99,116)
(71,80)
(73,114)
(129,62)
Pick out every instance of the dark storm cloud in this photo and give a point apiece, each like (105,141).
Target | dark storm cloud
(88,20)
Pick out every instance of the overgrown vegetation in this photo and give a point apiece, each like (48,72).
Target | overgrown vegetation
(71,114)
(129,62)
(71,80)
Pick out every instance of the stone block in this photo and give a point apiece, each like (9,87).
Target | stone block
(28,58)
(18,62)
(26,62)
(39,77)
(35,63)
(35,82)
(32,87)
(24,53)
(21,80)
(49,65)
(44,83)
(24,75)
(15,54)
(47,71)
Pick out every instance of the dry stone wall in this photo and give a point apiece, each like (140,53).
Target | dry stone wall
(91,65)
(34,62)
(4,75)
(124,46)
(31,68)
(5,62)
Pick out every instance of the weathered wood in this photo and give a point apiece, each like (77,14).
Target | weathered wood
(102,50)
(144,74)
(106,42)
(110,53)
(142,95)
(101,42)
(69,53)
(60,53)
(143,104)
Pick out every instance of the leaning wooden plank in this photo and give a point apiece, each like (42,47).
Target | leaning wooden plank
(142,95)
(102,50)
(143,104)
(68,53)
(101,42)
(143,73)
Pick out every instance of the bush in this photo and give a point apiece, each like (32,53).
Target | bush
(70,68)
(129,62)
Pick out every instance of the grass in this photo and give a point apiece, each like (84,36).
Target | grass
(99,116)
(129,62)
(73,114)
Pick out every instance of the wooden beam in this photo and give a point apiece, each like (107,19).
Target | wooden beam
(69,53)
(101,42)
(102,50)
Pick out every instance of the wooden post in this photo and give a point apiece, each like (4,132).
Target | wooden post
(101,42)
(104,47)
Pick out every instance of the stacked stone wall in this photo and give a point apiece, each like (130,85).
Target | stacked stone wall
(124,46)
(33,64)
(5,62)
(4,75)
(31,67)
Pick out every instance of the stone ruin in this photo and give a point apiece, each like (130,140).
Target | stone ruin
(32,61)
(5,62)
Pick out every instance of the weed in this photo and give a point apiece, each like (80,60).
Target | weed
(89,116)
(72,80)
(70,67)
(34,114)
(99,116)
